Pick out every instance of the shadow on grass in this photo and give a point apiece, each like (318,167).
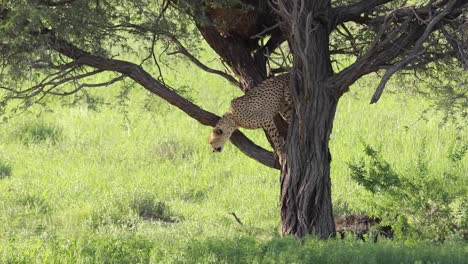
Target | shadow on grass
(129,247)
(291,250)
(38,132)
(5,169)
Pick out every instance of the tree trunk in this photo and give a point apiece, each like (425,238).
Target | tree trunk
(237,54)
(305,178)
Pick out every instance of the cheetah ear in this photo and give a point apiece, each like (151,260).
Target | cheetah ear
(218,131)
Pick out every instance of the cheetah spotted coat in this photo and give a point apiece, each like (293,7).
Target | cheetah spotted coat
(257,108)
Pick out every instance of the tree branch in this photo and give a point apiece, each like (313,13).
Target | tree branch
(355,11)
(262,54)
(88,85)
(139,75)
(234,51)
(56,3)
(198,63)
(412,54)
(459,47)
(52,80)
(342,15)
(397,36)
(142,29)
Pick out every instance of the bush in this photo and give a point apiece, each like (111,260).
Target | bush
(419,203)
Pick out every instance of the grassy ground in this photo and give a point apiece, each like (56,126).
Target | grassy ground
(135,181)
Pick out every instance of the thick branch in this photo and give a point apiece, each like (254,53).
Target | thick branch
(234,51)
(348,13)
(56,3)
(139,75)
(354,12)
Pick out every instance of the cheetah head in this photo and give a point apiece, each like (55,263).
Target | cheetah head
(217,138)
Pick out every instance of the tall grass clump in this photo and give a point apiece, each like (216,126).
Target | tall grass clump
(420,202)
(37,132)
(149,209)
(34,202)
(5,169)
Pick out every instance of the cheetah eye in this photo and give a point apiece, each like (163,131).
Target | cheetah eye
(218,131)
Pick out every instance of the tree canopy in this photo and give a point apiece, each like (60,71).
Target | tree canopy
(366,36)
(37,38)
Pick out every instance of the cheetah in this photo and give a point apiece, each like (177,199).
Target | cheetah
(256,109)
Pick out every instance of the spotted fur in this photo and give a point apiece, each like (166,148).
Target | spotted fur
(256,109)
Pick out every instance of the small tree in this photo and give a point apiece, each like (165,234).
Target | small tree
(50,44)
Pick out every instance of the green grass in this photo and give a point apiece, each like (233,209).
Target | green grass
(137,182)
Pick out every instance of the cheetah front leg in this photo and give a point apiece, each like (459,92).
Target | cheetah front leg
(286,112)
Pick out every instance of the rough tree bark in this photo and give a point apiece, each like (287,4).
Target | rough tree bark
(305,177)
(235,52)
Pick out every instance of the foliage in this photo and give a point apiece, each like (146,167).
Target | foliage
(377,176)
(31,69)
(451,96)
(419,202)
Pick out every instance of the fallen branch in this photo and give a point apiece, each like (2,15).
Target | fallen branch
(237,218)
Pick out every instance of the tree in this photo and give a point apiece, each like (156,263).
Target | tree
(55,43)
(394,39)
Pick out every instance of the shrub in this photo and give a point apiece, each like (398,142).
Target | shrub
(420,203)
